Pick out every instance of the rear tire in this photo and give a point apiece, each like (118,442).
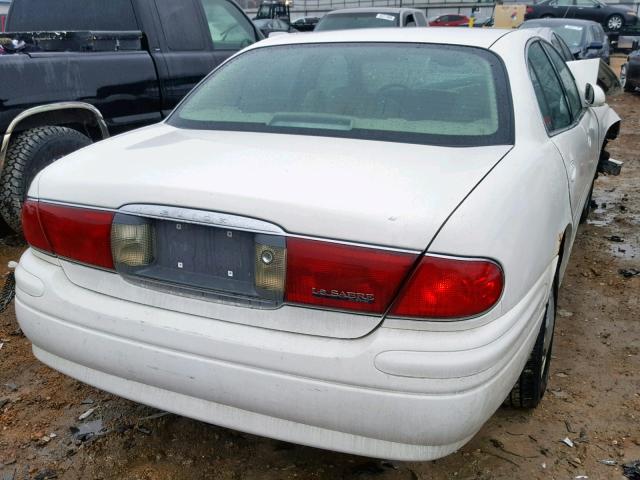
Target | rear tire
(624,81)
(28,153)
(530,387)
(586,209)
(615,22)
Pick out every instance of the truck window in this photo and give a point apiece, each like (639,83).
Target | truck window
(230,29)
(30,15)
(180,25)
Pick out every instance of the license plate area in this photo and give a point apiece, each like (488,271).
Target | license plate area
(205,261)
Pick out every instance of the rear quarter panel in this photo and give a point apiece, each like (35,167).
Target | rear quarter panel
(519,213)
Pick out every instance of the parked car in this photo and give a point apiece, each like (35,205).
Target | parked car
(450,20)
(585,39)
(630,72)
(306,24)
(118,65)
(263,283)
(350,18)
(270,25)
(611,17)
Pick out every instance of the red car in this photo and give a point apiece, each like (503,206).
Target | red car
(450,20)
(3,19)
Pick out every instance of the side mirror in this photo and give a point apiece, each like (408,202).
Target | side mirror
(594,96)
(595,46)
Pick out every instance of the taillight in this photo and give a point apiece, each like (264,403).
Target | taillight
(31,227)
(344,277)
(529,9)
(79,234)
(446,288)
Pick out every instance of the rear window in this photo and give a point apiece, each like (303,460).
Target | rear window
(414,93)
(571,34)
(346,21)
(31,15)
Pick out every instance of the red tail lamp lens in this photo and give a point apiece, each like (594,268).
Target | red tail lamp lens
(450,288)
(79,234)
(343,276)
(33,233)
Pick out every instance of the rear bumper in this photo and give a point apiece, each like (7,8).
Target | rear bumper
(378,396)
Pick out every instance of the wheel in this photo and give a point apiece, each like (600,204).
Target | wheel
(28,153)
(624,83)
(586,209)
(530,387)
(615,22)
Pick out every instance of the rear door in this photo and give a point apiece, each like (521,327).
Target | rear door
(561,8)
(588,10)
(572,128)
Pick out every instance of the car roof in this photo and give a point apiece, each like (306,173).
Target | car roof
(373,10)
(475,37)
(561,21)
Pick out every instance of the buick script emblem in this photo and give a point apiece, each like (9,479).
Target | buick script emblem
(342,295)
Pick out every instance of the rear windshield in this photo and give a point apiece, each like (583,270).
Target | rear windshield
(345,21)
(49,15)
(413,93)
(571,34)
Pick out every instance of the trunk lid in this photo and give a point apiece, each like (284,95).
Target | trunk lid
(375,193)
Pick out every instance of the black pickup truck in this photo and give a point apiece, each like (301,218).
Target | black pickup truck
(74,72)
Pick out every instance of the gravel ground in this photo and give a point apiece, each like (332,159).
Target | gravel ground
(594,396)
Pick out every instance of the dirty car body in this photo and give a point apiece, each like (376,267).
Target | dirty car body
(334,264)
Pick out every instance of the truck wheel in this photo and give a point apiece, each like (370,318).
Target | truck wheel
(29,153)
(530,387)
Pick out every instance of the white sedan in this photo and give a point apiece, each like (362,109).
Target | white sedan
(351,240)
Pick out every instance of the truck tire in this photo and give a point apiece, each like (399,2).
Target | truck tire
(530,387)
(28,153)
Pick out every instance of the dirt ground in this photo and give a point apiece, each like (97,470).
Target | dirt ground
(594,395)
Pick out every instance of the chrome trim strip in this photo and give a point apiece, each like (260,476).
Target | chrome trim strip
(202,217)
(236,222)
(49,108)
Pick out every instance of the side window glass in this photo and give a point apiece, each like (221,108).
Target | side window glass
(410,21)
(177,24)
(557,42)
(575,102)
(230,29)
(542,99)
(551,99)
